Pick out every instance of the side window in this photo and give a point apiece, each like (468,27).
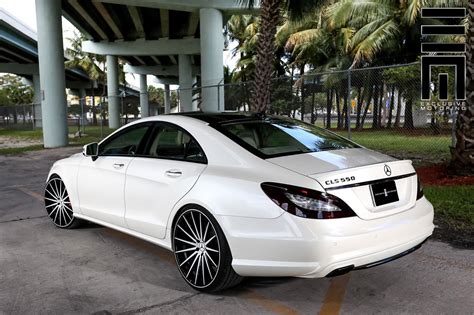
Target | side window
(125,143)
(174,143)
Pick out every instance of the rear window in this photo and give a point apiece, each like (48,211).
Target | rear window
(278,137)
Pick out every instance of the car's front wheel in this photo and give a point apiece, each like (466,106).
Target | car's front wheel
(202,254)
(58,205)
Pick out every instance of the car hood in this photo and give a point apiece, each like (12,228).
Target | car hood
(328,161)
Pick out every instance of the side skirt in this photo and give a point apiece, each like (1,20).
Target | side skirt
(160,242)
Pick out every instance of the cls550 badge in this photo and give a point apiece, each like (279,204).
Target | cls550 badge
(340,180)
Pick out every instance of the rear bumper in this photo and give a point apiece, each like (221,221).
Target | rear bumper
(293,246)
(346,269)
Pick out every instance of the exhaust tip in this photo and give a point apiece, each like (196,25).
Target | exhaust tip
(340,271)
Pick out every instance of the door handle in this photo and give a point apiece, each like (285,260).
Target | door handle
(173,173)
(118,165)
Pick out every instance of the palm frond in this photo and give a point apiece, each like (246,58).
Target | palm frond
(412,12)
(370,46)
(302,37)
(347,12)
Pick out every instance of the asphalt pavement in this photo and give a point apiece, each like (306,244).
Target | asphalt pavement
(46,270)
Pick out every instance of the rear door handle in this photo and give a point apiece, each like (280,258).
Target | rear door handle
(118,165)
(173,173)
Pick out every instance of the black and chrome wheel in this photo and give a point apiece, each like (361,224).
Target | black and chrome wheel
(201,251)
(57,203)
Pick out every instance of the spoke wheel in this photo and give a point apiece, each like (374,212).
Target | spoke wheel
(57,203)
(197,248)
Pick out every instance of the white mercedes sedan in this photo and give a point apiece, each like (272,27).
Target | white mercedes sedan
(235,195)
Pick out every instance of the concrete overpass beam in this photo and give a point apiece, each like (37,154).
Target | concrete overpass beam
(52,76)
(212,63)
(162,47)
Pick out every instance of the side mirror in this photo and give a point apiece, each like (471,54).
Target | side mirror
(92,150)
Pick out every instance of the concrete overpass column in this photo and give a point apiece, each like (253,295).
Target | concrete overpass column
(113,91)
(144,106)
(37,101)
(52,76)
(185,83)
(212,63)
(167,99)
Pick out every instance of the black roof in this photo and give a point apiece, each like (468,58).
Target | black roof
(223,117)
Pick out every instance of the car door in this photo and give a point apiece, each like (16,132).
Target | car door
(156,181)
(101,182)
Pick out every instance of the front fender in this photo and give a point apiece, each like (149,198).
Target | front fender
(67,169)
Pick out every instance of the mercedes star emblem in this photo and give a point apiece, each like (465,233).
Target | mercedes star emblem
(387,170)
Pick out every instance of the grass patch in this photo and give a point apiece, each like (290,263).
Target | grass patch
(36,134)
(452,202)
(422,149)
(19,150)
(454,213)
(92,134)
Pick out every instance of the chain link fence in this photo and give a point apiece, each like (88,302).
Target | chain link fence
(379,108)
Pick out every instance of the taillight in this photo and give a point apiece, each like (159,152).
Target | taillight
(307,203)
(419,189)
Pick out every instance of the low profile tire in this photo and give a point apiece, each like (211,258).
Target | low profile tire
(58,205)
(202,254)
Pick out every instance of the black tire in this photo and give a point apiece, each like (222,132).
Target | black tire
(58,205)
(197,234)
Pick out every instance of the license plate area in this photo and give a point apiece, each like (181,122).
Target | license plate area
(384,192)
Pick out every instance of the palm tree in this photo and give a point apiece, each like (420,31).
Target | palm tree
(384,31)
(243,30)
(270,18)
(462,159)
(93,65)
(311,42)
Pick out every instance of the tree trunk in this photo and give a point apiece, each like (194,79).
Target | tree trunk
(264,68)
(375,108)
(302,92)
(15,114)
(399,109)
(462,155)
(94,110)
(409,114)
(390,109)
(338,104)
(344,111)
(328,108)
(369,99)
(381,106)
(313,100)
(24,115)
(360,101)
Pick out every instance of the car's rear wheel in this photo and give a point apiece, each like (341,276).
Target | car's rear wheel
(58,205)
(202,254)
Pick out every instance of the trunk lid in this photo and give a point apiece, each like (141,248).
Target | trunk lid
(350,173)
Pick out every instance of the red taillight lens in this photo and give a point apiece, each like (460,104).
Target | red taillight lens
(307,203)
(419,189)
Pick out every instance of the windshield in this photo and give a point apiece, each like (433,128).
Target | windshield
(278,137)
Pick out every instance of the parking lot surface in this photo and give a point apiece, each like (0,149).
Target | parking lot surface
(94,269)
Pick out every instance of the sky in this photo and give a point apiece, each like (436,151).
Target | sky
(24,10)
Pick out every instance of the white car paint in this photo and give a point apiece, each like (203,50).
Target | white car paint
(138,198)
